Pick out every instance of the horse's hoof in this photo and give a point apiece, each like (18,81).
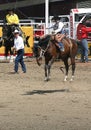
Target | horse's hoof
(71,80)
(46,79)
(65,80)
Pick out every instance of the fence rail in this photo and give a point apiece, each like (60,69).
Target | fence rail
(27,22)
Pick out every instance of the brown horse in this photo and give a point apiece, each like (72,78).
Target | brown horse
(51,52)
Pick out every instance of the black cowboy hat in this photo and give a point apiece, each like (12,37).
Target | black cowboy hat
(87,20)
(55,18)
(10,9)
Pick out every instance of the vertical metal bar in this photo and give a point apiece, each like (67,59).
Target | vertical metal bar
(46,15)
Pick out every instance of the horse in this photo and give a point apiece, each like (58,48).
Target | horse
(50,51)
(7,39)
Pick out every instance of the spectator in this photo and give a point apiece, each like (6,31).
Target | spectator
(38,35)
(40,32)
(83,33)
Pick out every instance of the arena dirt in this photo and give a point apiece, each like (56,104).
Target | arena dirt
(29,103)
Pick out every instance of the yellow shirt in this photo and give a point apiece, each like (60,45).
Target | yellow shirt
(12,19)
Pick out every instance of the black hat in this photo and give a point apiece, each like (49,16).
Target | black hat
(55,18)
(87,21)
(10,9)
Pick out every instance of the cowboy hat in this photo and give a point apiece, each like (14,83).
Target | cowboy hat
(16,31)
(55,18)
(10,9)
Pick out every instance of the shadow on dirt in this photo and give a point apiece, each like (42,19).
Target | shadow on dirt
(41,92)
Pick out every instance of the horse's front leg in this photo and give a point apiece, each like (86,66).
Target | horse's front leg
(46,73)
(66,68)
(47,69)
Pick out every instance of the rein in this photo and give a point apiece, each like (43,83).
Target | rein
(42,52)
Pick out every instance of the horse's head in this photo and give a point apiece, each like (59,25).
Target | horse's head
(40,47)
(7,32)
(37,51)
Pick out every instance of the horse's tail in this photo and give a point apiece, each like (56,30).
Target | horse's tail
(73,48)
(70,46)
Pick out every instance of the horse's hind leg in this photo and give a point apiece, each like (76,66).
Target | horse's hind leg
(73,68)
(67,68)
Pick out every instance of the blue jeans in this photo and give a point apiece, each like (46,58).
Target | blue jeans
(84,44)
(61,45)
(19,59)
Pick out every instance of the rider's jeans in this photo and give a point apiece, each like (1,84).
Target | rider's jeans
(84,44)
(61,45)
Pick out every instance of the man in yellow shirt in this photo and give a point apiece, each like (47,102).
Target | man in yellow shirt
(12,18)
(11,22)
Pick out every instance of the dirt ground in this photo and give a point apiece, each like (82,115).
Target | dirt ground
(29,103)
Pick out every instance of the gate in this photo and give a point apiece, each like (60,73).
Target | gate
(29,28)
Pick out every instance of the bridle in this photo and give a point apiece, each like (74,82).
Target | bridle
(42,52)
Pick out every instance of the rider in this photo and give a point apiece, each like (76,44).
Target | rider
(58,31)
(12,18)
(12,21)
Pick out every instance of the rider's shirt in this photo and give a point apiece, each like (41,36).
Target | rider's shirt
(12,19)
(58,28)
(18,43)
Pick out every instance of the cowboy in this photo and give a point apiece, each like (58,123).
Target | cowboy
(83,29)
(12,18)
(19,48)
(58,31)
(11,21)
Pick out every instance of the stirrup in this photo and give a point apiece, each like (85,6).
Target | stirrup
(61,49)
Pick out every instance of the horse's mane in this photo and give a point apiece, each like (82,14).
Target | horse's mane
(44,41)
